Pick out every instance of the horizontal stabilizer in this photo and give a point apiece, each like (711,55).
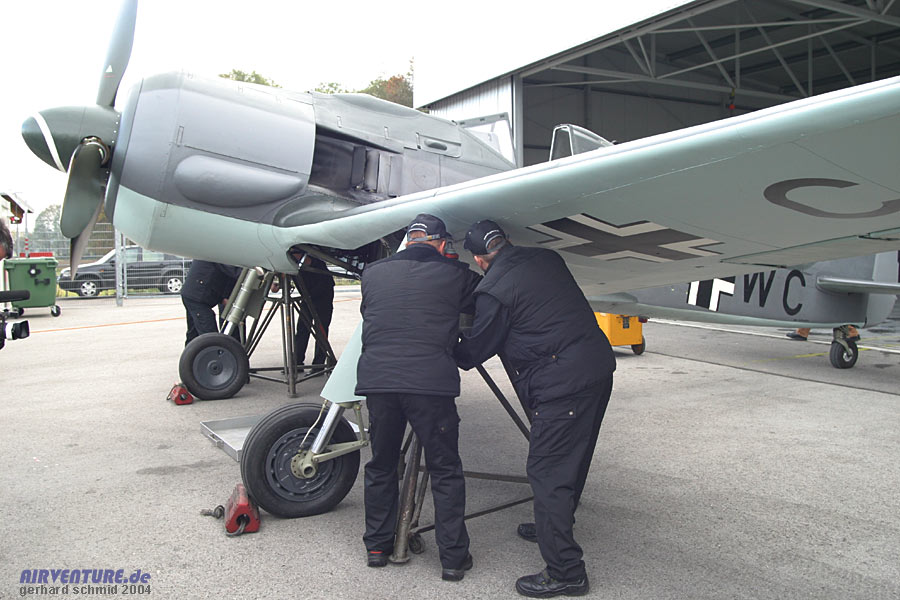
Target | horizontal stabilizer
(856,286)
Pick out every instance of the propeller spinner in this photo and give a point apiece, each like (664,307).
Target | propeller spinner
(81,140)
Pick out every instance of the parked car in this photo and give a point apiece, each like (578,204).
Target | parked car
(144,269)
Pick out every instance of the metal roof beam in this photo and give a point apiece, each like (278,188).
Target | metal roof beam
(625,77)
(838,61)
(633,33)
(859,39)
(778,55)
(642,65)
(713,56)
(771,46)
(855,11)
(745,26)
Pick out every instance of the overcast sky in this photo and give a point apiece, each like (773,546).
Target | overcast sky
(53,50)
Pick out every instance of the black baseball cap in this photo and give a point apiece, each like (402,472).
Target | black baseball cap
(430,225)
(480,235)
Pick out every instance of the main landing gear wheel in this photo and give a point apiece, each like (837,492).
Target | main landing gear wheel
(266,463)
(639,348)
(214,366)
(840,358)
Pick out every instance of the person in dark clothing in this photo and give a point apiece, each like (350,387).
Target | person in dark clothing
(205,285)
(411,304)
(320,286)
(6,243)
(530,311)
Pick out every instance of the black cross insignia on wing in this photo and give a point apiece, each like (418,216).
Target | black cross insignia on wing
(589,236)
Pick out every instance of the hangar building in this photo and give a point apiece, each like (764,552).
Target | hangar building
(695,62)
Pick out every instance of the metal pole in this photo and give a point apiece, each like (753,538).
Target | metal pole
(407,504)
(120,267)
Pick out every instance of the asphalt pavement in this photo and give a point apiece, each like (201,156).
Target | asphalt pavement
(733,463)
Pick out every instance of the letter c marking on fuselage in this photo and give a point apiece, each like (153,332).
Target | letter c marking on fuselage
(794,274)
(777,194)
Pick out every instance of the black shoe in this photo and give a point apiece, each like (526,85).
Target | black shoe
(457,574)
(527,531)
(541,585)
(796,336)
(377,558)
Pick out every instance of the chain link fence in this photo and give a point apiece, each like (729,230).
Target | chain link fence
(146,272)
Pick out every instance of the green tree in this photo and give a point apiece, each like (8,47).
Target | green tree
(331,87)
(398,88)
(47,220)
(252,77)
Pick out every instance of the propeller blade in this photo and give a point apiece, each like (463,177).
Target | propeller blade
(84,191)
(118,54)
(80,242)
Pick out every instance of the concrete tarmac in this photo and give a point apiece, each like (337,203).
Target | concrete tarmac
(733,463)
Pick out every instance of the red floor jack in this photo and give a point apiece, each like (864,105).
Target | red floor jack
(180,395)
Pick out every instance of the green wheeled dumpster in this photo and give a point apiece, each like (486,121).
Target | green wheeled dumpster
(38,276)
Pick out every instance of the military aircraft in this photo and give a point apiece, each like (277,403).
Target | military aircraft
(249,175)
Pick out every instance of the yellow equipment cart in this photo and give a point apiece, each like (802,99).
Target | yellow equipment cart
(623,330)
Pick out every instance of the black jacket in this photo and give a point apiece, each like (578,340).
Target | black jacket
(209,283)
(544,328)
(411,304)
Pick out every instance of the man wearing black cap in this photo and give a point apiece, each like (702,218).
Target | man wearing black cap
(529,310)
(411,303)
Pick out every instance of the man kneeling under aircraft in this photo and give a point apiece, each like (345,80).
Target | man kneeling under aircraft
(529,310)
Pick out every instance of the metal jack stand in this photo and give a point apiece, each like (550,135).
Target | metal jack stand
(412,491)
(290,310)
(216,365)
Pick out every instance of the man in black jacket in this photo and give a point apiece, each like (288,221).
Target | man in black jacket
(529,310)
(206,285)
(411,304)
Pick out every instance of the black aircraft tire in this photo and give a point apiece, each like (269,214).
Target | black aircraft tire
(214,366)
(266,464)
(840,359)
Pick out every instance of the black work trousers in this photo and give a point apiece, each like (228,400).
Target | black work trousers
(563,436)
(200,319)
(323,303)
(436,423)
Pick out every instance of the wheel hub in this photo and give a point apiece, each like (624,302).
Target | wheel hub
(214,367)
(303,465)
(289,481)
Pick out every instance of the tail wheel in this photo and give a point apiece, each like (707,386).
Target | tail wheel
(266,463)
(214,366)
(841,358)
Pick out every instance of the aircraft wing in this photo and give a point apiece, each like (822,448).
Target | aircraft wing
(816,179)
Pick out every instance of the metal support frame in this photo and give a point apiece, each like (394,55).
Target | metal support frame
(413,488)
(248,299)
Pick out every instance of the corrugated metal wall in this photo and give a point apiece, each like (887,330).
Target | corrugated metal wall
(486,99)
